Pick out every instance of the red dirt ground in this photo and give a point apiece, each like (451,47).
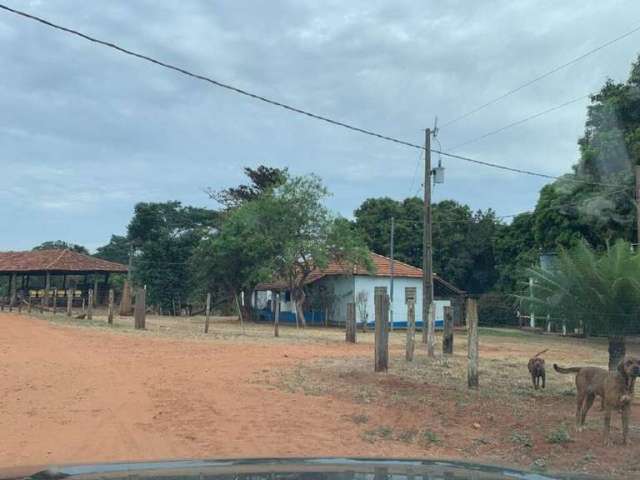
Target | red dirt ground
(71,395)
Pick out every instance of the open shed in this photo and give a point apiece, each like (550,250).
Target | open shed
(35,274)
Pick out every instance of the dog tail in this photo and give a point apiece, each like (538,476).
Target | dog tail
(540,353)
(566,370)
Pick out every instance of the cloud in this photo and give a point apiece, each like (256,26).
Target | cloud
(88,132)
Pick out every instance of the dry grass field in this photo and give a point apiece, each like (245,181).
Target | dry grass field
(78,391)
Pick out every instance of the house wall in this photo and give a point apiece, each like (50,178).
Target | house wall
(368,284)
(343,289)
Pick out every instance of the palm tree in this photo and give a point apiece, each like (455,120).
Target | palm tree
(598,292)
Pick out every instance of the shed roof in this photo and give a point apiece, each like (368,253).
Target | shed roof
(382,266)
(56,261)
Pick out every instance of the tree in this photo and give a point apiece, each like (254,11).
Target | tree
(117,250)
(515,249)
(599,292)
(61,245)
(164,236)
(263,179)
(462,240)
(284,233)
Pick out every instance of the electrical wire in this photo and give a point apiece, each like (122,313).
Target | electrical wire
(274,102)
(520,122)
(542,76)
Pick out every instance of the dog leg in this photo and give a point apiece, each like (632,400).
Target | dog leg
(533,380)
(579,402)
(607,427)
(544,379)
(587,405)
(626,410)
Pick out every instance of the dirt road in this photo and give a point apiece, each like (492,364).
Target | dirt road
(79,395)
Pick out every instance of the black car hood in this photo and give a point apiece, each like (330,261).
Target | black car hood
(292,469)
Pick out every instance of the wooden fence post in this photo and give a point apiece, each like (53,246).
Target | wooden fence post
(29,305)
(55,301)
(69,301)
(207,311)
(110,307)
(125,301)
(239,312)
(447,335)
(472,343)
(382,333)
(350,335)
(140,310)
(276,316)
(90,305)
(411,330)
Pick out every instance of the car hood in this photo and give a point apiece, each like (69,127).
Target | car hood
(284,469)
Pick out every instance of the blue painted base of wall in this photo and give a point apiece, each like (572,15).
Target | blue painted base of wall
(317,318)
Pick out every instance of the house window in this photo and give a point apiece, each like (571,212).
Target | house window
(410,294)
(379,291)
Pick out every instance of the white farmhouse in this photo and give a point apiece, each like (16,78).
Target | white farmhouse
(330,290)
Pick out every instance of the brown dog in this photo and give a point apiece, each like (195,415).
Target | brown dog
(537,371)
(615,388)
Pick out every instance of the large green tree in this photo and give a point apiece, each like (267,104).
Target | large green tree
(285,233)
(164,236)
(462,239)
(117,250)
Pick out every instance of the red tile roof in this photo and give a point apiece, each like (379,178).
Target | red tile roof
(382,267)
(55,261)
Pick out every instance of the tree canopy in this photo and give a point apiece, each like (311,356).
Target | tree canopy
(61,245)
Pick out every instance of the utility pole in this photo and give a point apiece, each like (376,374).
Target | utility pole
(637,207)
(428,333)
(392,271)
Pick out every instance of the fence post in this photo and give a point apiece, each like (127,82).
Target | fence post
(276,316)
(207,311)
(350,335)
(447,334)
(55,301)
(69,301)
(472,344)
(382,333)
(90,305)
(411,330)
(29,304)
(110,307)
(140,310)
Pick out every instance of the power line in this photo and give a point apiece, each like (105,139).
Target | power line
(540,77)
(276,103)
(520,122)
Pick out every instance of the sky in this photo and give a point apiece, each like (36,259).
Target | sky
(87,132)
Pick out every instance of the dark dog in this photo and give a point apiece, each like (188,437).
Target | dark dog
(537,371)
(615,388)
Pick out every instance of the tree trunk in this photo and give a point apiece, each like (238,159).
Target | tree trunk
(298,298)
(617,350)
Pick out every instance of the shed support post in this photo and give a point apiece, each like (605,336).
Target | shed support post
(13,280)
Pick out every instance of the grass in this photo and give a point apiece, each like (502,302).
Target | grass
(559,436)
(522,438)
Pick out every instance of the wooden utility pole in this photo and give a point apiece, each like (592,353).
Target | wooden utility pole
(428,329)
(382,333)
(411,330)
(276,316)
(69,301)
(392,272)
(637,207)
(110,307)
(207,312)
(239,312)
(447,335)
(350,335)
(472,343)
(140,310)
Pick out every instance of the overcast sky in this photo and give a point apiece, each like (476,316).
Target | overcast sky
(86,132)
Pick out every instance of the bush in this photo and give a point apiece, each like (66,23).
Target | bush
(497,310)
